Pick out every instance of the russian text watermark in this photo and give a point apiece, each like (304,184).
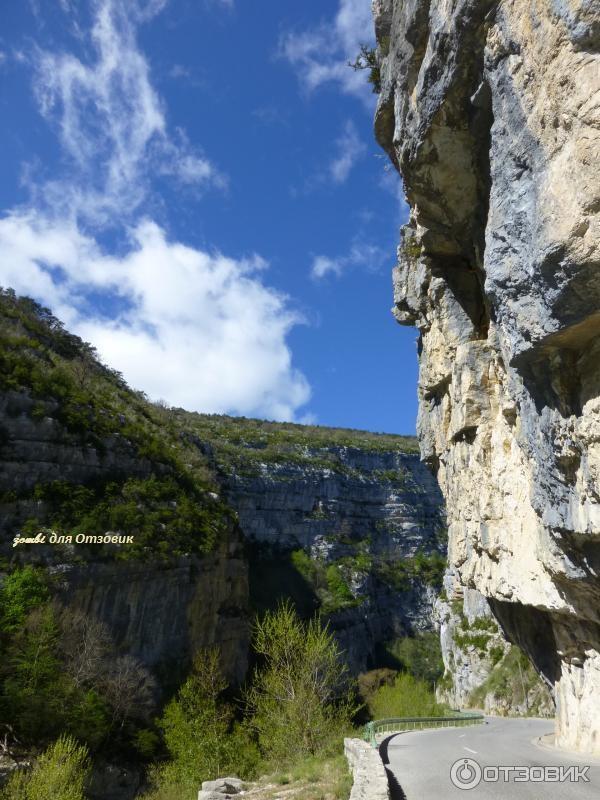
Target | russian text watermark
(466,773)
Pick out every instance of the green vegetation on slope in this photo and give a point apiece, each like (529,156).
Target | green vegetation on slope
(295,711)
(401,573)
(330,582)
(420,655)
(243,444)
(477,634)
(170,507)
(407,696)
(513,683)
(165,515)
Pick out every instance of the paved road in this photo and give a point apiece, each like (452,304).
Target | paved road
(420,763)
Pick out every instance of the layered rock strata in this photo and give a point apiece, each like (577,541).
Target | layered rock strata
(490,109)
(161,613)
(361,513)
(366,517)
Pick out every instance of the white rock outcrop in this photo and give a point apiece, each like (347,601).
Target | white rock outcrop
(490,109)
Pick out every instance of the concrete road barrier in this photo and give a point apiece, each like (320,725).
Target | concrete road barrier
(370,777)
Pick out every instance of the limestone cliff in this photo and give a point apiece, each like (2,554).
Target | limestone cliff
(225,515)
(83,455)
(490,109)
(346,522)
(482,670)
(161,611)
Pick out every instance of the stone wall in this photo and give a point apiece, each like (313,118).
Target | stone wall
(490,110)
(370,777)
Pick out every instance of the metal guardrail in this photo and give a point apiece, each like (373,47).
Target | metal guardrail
(399,724)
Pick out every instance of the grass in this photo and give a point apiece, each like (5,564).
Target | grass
(514,680)
(325,778)
(243,444)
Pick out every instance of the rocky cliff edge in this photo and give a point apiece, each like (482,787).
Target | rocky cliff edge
(491,112)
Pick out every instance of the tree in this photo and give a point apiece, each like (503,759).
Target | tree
(420,655)
(60,773)
(22,590)
(40,697)
(83,370)
(128,688)
(34,686)
(298,699)
(196,727)
(407,697)
(367,59)
(85,644)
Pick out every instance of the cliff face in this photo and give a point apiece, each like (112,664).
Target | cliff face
(365,517)
(216,518)
(83,455)
(491,112)
(160,612)
(163,614)
(482,670)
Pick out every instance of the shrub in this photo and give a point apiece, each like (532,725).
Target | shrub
(199,735)
(165,516)
(297,700)
(420,655)
(367,59)
(330,582)
(61,674)
(60,773)
(23,590)
(407,697)
(426,567)
(337,587)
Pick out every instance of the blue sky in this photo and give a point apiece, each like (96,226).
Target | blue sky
(193,186)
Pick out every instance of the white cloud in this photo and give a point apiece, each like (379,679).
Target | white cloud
(350,148)
(110,120)
(322,265)
(198,329)
(321,55)
(192,326)
(361,254)
(179,71)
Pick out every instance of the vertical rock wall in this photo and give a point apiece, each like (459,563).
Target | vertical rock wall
(375,512)
(490,109)
(160,613)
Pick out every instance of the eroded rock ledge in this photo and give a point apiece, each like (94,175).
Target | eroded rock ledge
(490,109)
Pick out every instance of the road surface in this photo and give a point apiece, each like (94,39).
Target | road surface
(419,763)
